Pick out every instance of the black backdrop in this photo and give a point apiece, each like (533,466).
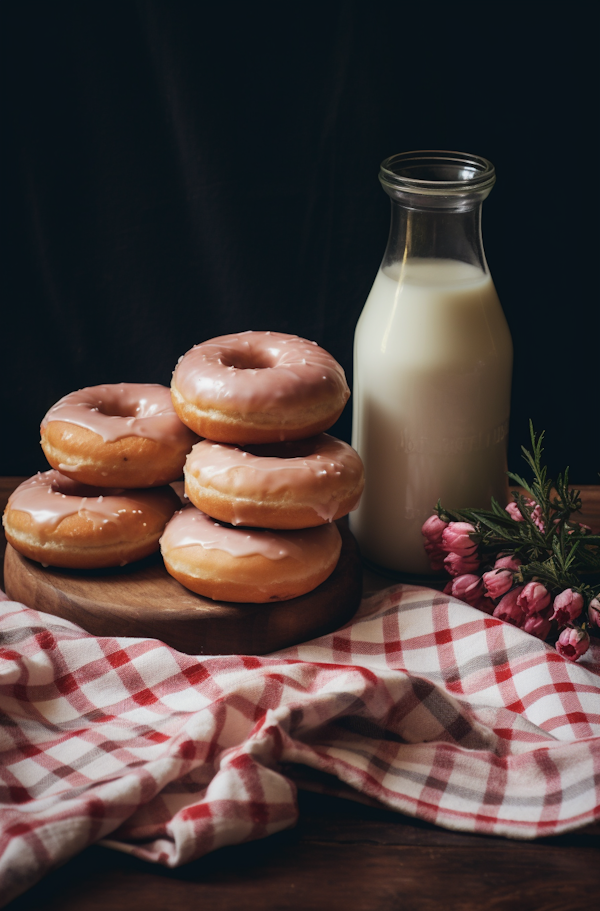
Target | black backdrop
(177,170)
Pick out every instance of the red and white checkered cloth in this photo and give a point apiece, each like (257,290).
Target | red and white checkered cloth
(420,702)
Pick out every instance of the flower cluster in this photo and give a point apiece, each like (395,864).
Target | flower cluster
(527,563)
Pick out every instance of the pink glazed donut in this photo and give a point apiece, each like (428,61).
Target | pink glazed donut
(119,435)
(298,484)
(258,387)
(247,564)
(60,522)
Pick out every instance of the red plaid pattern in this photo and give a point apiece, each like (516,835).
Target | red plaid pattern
(421,703)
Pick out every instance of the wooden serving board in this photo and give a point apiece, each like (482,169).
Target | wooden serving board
(144,600)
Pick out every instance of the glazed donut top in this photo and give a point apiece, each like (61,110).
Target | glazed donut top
(49,497)
(122,410)
(316,469)
(248,371)
(190,527)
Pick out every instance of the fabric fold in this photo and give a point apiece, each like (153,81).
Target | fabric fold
(420,703)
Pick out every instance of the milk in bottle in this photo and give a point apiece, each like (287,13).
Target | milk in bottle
(432,370)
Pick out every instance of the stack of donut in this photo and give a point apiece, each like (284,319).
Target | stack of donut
(266,482)
(114,450)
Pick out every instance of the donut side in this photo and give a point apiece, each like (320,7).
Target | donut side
(70,555)
(245,511)
(129,462)
(228,425)
(252,580)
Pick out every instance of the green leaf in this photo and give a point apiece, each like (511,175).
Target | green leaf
(562,555)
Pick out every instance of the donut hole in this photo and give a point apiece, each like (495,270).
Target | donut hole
(116,409)
(253,359)
(124,404)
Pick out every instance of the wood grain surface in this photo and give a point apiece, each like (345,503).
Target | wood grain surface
(342,856)
(142,599)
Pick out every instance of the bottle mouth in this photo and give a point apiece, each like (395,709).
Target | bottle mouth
(437,173)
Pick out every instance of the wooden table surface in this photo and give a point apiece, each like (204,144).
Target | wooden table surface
(342,856)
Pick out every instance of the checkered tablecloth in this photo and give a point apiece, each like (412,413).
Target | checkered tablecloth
(421,703)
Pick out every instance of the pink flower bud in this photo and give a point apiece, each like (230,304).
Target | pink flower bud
(534,598)
(457,565)
(536,513)
(594,612)
(508,609)
(567,606)
(514,512)
(455,539)
(573,643)
(538,625)
(497,582)
(468,588)
(436,556)
(433,528)
(511,562)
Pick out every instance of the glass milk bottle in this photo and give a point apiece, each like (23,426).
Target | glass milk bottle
(432,361)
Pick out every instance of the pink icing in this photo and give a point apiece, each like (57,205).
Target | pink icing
(190,527)
(316,468)
(251,371)
(49,497)
(123,410)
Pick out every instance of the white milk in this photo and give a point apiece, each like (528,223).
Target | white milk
(432,375)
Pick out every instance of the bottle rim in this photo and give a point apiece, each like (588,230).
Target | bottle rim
(436,172)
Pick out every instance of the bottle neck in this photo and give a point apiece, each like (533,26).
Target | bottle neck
(435,233)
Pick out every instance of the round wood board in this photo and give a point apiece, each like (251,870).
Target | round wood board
(144,600)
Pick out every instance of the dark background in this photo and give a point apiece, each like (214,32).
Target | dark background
(175,171)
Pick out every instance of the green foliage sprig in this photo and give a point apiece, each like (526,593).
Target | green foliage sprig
(543,534)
